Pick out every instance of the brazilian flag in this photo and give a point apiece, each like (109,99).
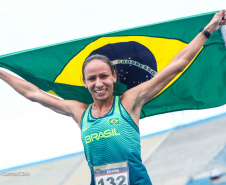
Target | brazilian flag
(138,54)
(114,121)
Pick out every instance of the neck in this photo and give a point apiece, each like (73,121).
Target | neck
(100,105)
(104,104)
(101,108)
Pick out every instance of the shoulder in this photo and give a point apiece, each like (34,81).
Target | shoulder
(129,102)
(130,97)
(77,109)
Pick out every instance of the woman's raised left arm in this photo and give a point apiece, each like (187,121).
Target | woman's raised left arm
(144,92)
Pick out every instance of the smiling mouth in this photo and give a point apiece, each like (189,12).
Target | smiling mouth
(101,91)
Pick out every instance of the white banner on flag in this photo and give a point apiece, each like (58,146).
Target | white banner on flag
(223,31)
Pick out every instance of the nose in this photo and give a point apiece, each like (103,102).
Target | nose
(99,83)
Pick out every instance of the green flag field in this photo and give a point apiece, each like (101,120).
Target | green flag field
(138,54)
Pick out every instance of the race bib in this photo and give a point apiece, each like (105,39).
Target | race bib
(112,174)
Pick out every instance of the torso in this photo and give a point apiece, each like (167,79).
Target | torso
(113,138)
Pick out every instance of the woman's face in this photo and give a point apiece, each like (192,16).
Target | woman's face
(99,79)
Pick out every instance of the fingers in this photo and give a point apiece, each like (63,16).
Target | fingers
(223,14)
(223,17)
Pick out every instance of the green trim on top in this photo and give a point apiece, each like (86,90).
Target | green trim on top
(117,104)
(133,124)
(87,113)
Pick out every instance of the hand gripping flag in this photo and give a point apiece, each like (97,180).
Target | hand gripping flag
(138,54)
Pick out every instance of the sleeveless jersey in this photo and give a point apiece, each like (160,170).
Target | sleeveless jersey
(113,138)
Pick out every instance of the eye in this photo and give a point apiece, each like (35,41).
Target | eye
(91,79)
(104,76)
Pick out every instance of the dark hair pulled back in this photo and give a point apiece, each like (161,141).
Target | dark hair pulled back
(100,57)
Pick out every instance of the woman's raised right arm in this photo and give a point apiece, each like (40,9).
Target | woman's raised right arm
(70,108)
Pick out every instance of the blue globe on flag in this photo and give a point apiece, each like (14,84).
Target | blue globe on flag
(134,63)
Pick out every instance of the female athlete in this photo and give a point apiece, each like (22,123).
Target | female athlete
(110,126)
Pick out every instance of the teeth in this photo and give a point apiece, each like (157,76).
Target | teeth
(100,91)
